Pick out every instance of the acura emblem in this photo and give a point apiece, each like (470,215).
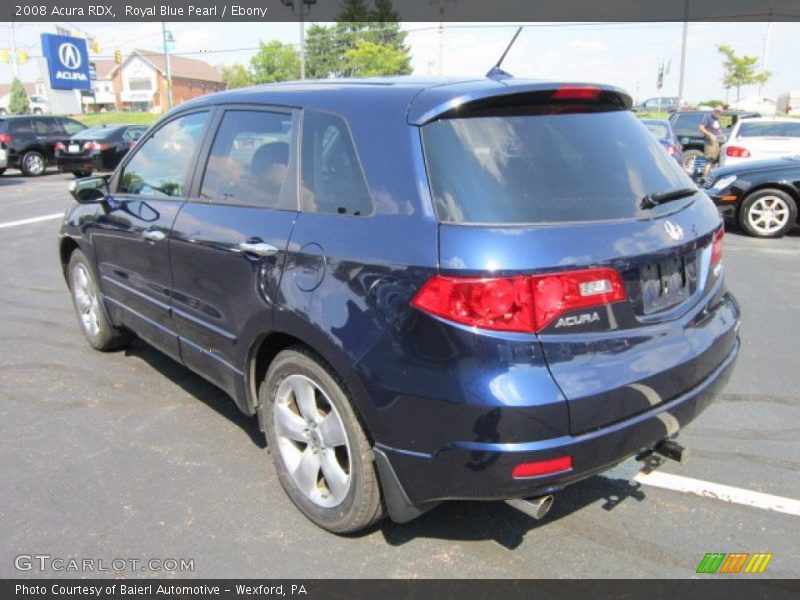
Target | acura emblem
(69,55)
(674,230)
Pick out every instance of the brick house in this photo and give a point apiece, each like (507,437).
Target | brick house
(140,82)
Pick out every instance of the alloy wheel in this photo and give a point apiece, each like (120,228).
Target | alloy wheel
(86,300)
(34,164)
(768,215)
(312,442)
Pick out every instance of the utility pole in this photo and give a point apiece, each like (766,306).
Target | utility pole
(14,59)
(441,4)
(683,51)
(167,37)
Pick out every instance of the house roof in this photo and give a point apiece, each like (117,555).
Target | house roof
(104,68)
(187,68)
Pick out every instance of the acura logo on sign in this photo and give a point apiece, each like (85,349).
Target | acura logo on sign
(69,55)
(674,230)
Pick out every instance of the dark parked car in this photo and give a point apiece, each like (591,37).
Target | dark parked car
(665,104)
(762,196)
(686,125)
(424,290)
(96,149)
(31,140)
(662,130)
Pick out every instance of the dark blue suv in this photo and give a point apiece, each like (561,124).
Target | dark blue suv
(425,290)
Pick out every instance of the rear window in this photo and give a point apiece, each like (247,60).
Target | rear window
(547,168)
(660,130)
(777,129)
(687,123)
(95,133)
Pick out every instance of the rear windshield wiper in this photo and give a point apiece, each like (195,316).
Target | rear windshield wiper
(653,200)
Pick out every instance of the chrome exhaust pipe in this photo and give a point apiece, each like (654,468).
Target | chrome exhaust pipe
(536,508)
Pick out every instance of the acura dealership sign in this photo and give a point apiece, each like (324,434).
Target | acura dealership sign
(67,62)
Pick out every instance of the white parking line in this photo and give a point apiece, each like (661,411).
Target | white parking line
(726,493)
(32,220)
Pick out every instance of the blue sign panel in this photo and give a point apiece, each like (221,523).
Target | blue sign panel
(67,62)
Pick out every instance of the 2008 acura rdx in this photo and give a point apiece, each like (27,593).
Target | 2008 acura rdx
(425,290)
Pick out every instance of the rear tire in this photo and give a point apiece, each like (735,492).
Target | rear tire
(318,446)
(79,174)
(768,213)
(33,164)
(2,171)
(92,317)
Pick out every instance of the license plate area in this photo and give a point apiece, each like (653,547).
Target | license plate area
(664,284)
(73,148)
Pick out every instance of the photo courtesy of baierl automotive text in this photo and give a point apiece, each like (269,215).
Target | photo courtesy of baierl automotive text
(332,294)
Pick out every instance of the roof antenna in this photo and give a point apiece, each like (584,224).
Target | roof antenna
(496,72)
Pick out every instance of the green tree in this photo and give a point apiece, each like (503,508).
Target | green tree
(273,62)
(236,76)
(740,70)
(368,59)
(323,53)
(18,103)
(355,12)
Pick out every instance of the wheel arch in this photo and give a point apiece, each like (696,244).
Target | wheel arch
(66,247)
(266,347)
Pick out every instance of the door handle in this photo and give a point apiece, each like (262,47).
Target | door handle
(154,235)
(258,248)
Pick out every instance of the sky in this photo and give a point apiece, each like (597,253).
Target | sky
(623,54)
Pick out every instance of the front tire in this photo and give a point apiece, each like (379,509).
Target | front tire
(319,449)
(768,213)
(92,318)
(33,164)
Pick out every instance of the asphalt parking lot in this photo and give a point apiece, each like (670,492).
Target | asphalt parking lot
(131,455)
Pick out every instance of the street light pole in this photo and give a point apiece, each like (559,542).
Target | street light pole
(299,8)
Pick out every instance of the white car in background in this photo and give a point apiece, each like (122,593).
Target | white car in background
(3,158)
(761,138)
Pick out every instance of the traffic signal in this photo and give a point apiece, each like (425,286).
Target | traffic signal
(22,56)
(5,56)
(118,57)
(95,45)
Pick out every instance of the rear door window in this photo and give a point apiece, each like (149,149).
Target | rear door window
(550,168)
(249,161)
(72,127)
(160,167)
(21,126)
(46,127)
(683,124)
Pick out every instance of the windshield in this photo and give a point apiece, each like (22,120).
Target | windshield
(547,168)
(776,128)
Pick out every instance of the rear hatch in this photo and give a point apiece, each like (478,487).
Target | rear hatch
(602,246)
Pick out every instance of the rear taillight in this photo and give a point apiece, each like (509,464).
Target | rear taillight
(716,247)
(737,152)
(542,467)
(671,150)
(60,147)
(576,92)
(5,138)
(92,146)
(522,303)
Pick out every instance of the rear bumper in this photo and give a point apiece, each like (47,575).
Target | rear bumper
(72,164)
(482,471)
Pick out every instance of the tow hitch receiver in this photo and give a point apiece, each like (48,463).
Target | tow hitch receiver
(672,450)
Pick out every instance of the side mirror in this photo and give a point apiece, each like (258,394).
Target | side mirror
(89,190)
